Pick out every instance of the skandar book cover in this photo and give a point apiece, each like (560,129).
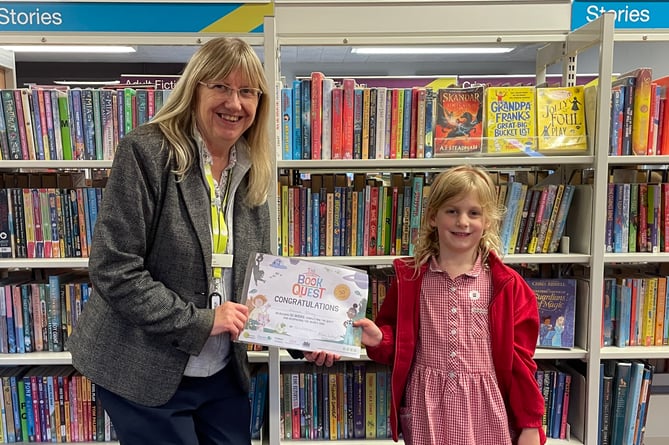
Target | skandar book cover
(304,305)
(459,121)
(510,119)
(556,299)
(561,125)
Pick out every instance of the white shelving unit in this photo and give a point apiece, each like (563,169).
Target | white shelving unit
(420,22)
(323,23)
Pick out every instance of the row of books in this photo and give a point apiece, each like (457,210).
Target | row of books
(48,222)
(72,123)
(258,399)
(336,215)
(322,118)
(59,405)
(624,396)
(639,114)
(636,217)
(51,404)
(346,401)
(635,311)
(555,385)
(39,315)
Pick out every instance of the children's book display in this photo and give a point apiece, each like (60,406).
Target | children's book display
(299,304)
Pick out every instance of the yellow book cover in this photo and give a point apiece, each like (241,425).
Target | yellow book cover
(552,221)
(650,308)
(659,316)
(365,123)
(561,119)
(399,129)
(510,119)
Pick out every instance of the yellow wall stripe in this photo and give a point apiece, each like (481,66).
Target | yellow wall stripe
(243,19)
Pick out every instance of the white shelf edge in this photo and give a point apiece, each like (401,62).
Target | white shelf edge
(660,257)
(636,160)
(76,164)
(629,352)
(427,163)
(385,260)
(36,358)
(45,263)
(540,354)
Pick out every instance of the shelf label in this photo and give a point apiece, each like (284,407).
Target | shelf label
(135,17)
(629,15)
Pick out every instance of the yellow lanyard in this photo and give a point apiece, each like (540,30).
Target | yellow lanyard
(219,229)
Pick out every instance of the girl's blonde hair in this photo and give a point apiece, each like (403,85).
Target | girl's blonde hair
(213,61)
(455,183)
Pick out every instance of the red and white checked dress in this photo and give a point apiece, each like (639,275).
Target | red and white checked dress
(452,397)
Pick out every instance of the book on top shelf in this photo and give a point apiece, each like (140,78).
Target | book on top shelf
(561,125)
(459,121)
(510,124)
(556,299)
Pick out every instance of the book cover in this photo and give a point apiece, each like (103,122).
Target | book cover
(303,304)
(561,119)
(459,121)
(12,124)
(641,109)
(556,299)
(510,119)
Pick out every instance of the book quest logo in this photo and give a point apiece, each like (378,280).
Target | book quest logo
(308,284)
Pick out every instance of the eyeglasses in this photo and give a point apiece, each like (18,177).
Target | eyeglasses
(221,89)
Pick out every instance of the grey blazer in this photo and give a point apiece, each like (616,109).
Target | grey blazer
(149,266)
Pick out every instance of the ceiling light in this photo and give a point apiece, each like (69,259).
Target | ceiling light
(69,49)
(431,50)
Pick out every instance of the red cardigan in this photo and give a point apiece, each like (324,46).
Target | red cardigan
(514,328)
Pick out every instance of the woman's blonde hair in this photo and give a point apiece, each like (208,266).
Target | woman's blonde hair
(215,60)
(455,183)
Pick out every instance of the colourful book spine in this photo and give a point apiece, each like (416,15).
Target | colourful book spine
(287,123)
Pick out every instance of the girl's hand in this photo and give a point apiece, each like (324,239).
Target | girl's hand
(321,358)
(529,436)
(371,334)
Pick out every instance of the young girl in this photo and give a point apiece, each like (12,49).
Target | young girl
(459,327)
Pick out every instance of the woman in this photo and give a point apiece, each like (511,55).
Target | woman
(183,209)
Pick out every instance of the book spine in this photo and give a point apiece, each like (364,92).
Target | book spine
(12,125)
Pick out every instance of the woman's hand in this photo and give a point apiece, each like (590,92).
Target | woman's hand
(321,358)
(230,317)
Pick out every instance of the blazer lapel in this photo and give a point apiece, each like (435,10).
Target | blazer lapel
(196,200)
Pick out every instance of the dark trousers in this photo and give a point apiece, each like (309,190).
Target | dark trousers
(204,411)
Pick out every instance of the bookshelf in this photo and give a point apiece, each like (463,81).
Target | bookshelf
(302,23)
(329,23)
(264,40)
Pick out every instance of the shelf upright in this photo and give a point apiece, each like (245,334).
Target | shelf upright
(598,33)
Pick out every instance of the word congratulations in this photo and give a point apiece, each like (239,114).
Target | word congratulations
(311,304)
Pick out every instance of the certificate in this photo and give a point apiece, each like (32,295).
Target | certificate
(300,304)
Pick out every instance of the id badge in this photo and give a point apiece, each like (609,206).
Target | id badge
(222,260)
